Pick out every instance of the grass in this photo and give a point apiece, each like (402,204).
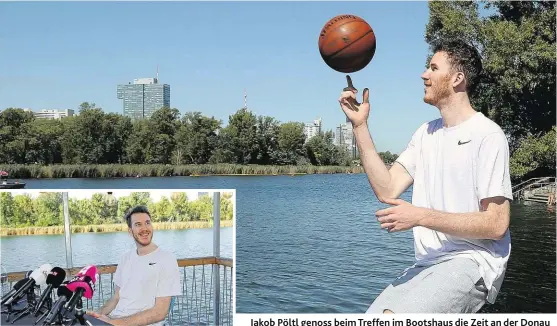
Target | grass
(21,171)
(37,230)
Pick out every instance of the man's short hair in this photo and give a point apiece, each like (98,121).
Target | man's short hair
(463,57)
(134,210)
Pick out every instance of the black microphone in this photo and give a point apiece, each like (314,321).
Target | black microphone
(63,294)
(13,291)
(38,277)
(53,280)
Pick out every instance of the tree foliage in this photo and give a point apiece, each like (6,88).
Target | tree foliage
(21,210)
(95,137)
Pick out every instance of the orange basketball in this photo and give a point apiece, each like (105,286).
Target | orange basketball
(347,43)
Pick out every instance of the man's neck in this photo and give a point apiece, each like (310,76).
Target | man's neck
(455,110)
(145,250)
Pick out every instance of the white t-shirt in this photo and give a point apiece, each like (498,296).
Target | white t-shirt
(144,278)
(453,169)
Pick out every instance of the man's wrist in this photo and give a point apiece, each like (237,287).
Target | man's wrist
(361,126)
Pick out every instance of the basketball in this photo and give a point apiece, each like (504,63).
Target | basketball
(347,43)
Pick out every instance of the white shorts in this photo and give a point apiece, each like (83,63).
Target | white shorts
(452,286)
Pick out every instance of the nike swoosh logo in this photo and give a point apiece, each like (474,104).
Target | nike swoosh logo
(462,143)
(151,264)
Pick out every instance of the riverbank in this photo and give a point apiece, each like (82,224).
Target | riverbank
(32,171)
(105,228)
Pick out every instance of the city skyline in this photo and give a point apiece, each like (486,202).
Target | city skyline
(211,53)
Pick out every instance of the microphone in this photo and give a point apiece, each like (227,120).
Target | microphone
(53,280)
(38,277)
(16,287)
(63,295)
(83,284)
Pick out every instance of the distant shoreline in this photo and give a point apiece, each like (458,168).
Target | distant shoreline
(33,171)
(107,228)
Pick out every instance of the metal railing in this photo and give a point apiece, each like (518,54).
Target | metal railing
(540,184)
(195,305)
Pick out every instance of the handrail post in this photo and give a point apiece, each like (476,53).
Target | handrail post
(67,229)
(216,253)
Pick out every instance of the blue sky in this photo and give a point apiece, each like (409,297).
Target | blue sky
(57,55)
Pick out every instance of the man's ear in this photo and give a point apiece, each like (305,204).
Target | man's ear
(459,80)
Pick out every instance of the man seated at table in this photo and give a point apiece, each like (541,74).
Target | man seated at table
(145,280)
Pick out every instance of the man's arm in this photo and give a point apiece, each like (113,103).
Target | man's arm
(491,222)
(111,304)
(384,182)
(146,317)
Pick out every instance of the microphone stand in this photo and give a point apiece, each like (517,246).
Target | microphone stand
(79,314)
(11,309)
(31,302)
(48,307)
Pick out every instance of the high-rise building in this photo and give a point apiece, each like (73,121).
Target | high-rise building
(312,129)
(144,97)
(344,136)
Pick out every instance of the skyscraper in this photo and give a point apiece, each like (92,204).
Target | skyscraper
(312,129)
(144,97)
(344,137)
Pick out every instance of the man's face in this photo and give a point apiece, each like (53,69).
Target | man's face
(141,230)
(437,79)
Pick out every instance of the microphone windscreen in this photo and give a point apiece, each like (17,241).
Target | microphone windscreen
(56,277)
(86,278)
(20,283)
(39,274)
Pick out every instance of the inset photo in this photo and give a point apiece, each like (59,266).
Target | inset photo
(117,257)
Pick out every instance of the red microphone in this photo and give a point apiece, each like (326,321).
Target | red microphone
(85,279)
(83,284)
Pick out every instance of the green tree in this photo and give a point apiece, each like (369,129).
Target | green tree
(242,133)
(201,209)
(6,209)
(226,207)
(196,138)
(291,140)
(321,150)
(23,211)
(48,209)
(388,157)
(267,139)
(179,203)
(535,156)
(14,124)
(162,210)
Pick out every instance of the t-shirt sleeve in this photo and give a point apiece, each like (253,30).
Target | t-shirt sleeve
(493,176)
(409,155)
(169,281)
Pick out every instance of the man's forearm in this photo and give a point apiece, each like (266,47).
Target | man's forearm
(477,225)
(108,306)
(146,317)
(377,173)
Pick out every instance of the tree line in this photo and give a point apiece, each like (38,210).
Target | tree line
(96,137)
(22,210)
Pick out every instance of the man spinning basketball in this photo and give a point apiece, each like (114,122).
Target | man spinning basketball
(459,168)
